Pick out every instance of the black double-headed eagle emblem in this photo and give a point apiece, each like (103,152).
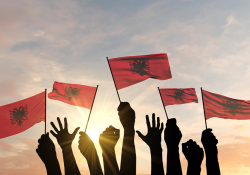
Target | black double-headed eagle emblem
(139,66)
(18,115)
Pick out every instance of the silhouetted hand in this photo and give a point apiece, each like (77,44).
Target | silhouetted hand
(86,146)
(47,152)
(153,140)
(153,137)
(172,134)
(193,153)
(64,138)
(209,141)
(109,138)
(127,115)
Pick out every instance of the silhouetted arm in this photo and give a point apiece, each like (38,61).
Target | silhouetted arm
(108,140)
(153,140)
(87,148)
(65,140)
(172,136)
(128,158)
(194,155)
(209,142)
(46,151)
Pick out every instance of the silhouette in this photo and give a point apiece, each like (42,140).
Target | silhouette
(65,139)
(47,153)
(194,155)
(87,148)
(108,140)
(128,158)
(172,136)
(209,142)
(153,140)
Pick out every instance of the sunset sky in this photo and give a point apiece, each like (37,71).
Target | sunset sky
(207,42)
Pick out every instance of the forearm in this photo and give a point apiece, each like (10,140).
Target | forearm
(128,159)
(212,163)
(94,164)
(156,161)
(173,162)
(53,168)
(193,169)
(70,165)
(110,163)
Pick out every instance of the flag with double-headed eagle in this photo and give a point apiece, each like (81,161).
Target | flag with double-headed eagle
(178,96)
(73,94)
(216,105)
(134,69)
(20,116)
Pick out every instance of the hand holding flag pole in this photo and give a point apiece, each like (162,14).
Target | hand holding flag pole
(91,109)
(163,103)
(113,80)
(204,109)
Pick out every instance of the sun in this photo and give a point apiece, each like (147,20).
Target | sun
(93,134)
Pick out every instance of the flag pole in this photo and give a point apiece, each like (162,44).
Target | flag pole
(204,109)
(91,109)
(113,80)
(45,108)
(162,103)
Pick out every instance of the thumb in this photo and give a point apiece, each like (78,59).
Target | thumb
(140,135)
(75,131)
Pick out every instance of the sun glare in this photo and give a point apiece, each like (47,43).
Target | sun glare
(93,134)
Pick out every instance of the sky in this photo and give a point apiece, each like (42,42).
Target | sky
(208,46)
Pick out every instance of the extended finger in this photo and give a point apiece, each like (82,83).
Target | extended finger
(147,121)
(140,135)
(55,128)
(52,132)
(161,129)
(75,131)
(65,123)
(153,120)
(60,123)
(158,122)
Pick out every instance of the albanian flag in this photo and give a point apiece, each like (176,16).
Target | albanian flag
(73,94)
(178,96)
(224,107)
(20,116)
(134,69)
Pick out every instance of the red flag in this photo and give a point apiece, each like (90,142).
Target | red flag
(20,116)
(224,107)
(134,69)
(73,94)
(178,96)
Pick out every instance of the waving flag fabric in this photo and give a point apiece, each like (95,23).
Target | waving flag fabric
(73,94)
(224,107)
(178,96)
(20,116)
(134,69)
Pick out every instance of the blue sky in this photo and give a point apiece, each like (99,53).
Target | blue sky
(207,42)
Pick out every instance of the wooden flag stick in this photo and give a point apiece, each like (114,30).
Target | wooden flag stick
(204,109)
(163,103)
(91,109)
(45,108)
(113,80)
